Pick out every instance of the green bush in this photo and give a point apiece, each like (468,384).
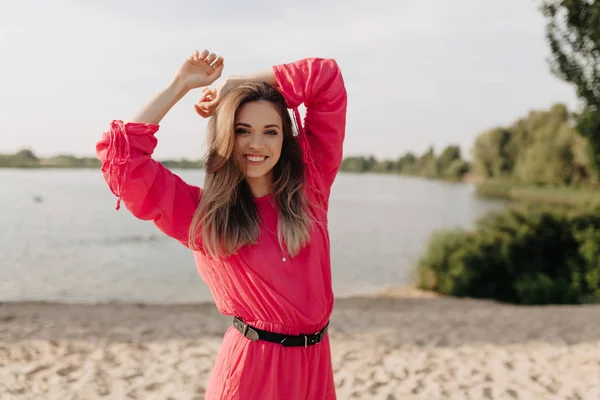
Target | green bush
(521,255)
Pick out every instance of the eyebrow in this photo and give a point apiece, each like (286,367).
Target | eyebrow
(250,126)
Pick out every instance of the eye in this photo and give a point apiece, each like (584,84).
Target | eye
(241,131)
(271,132)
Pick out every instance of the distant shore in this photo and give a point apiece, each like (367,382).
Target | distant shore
(564,195)
(402,343)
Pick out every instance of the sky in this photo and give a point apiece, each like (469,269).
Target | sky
(418,73)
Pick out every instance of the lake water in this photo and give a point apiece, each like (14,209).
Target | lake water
(73,246)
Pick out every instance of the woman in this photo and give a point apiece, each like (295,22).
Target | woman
(258,227)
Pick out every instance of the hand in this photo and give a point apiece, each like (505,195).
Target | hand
(200,69)
(211,97)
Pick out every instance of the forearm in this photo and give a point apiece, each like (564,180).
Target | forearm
(265,75)
(159,105)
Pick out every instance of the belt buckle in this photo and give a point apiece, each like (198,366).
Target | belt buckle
(317,336)
(321,334)
(247,331)
(252,334)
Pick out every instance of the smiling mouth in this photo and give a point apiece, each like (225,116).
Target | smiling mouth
(256,160)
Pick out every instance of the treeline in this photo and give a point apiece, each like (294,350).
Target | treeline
(542,148)
(449,165)
(27,159)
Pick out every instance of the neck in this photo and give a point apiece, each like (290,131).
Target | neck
(260,186)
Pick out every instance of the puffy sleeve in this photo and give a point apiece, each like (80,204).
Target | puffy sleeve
(318,83)
(147,188)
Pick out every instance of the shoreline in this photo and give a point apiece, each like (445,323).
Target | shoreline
(402,343)
(404,290)
(393,292)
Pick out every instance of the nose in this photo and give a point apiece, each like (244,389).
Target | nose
(256,142)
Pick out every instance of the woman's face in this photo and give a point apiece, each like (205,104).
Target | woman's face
(258,140)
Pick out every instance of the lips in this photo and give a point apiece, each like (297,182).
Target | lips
(256,159)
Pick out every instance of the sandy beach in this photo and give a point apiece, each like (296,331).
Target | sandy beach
(402,344)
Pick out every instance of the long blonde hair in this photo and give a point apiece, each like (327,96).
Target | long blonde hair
(227,218)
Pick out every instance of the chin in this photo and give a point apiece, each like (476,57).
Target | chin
(256,173)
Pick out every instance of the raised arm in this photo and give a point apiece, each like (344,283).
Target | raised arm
(149,190)
(318,83)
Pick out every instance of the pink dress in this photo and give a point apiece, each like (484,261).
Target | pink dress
(292,297)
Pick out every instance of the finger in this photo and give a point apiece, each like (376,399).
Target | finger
(218,63)
(205,106)
(205,99)
(210,58)
(209,92)
(195,55)
(198,110)
(203,55)
(207,95)
(201,111)
(211,105)
(218,70)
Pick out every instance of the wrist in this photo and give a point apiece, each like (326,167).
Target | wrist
(178,87)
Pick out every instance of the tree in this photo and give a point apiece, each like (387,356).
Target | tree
(406,164)
(26,154)
(427,164)
(490,153)
(450,154)
(541,148)
(573,33)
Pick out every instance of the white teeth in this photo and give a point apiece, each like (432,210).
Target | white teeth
(255,159)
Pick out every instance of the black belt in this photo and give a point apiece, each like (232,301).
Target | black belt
(255,334)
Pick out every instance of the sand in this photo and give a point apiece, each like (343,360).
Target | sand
(403,344)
